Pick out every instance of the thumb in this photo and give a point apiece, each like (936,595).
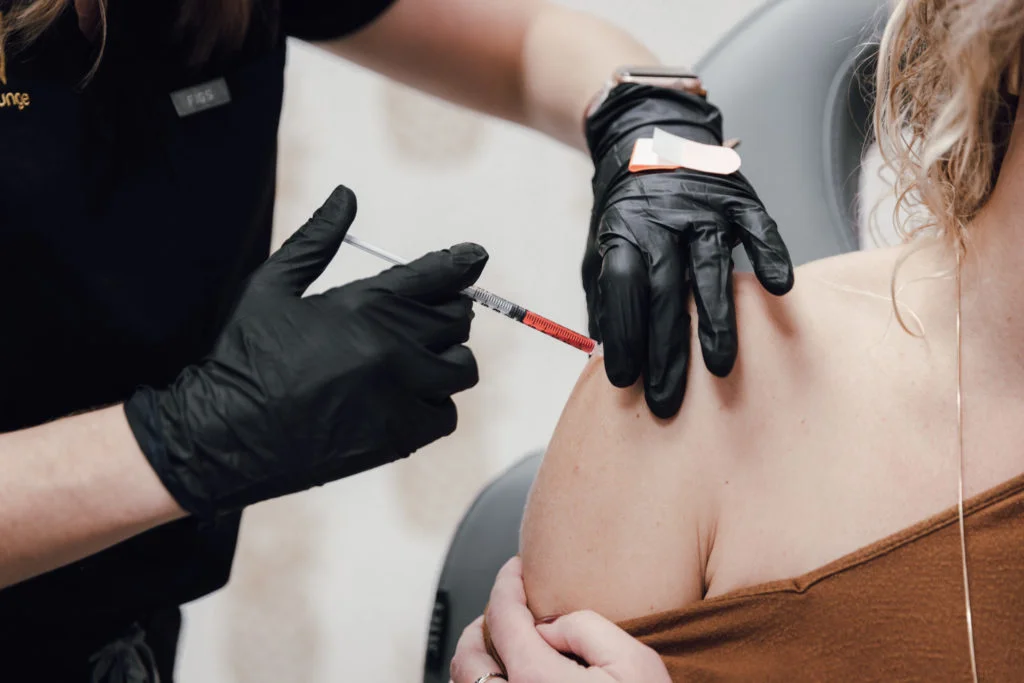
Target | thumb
(439,275)
(305,255)
(764,246)
(592,638)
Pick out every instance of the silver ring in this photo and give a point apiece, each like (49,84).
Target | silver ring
(487,677)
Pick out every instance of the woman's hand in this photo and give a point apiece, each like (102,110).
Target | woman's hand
(533,653)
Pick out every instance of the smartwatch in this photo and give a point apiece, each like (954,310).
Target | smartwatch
(672,77)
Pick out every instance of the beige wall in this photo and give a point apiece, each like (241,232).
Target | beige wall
(337,584)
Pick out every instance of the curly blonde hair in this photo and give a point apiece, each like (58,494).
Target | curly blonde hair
(948,71)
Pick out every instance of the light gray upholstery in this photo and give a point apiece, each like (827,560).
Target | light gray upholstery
(787,82)
(784,80)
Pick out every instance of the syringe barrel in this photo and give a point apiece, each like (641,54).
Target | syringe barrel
(537,322)
(495,303)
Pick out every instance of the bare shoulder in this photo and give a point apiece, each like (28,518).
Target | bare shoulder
(622,516)
(837,305)
(612,488)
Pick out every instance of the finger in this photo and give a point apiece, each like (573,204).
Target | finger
(427,422)
(304,256)
(669,345)
(437,276)
(471,660)
(436,376)
(590,269)
(458,313)
(590,637)
(436,326)
(512,628)
(711,270)
(623,291)
(767,252)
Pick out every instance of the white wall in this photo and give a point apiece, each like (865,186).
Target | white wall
(337,584)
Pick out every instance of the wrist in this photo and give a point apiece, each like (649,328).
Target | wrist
(153,416)
(680,79)
(76,486)
(152,496)
(633,111)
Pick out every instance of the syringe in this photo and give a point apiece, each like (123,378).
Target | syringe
(497,303)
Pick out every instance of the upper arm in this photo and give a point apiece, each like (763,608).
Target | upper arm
(465,51)
(620,516)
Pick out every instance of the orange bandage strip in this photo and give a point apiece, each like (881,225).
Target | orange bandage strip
(667,152)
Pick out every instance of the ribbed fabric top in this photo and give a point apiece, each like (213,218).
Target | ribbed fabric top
(891,611)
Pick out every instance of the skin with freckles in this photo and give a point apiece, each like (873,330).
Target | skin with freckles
(836,429)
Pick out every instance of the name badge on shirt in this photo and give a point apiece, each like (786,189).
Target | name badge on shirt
(197,98)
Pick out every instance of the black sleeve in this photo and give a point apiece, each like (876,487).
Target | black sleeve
(326,19)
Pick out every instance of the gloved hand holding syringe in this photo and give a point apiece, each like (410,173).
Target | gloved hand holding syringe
(499,304)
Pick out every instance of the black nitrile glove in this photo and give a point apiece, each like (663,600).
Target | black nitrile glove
(657,234)
(300,391)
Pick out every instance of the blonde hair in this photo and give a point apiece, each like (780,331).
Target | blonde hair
(206,25)
(945,68)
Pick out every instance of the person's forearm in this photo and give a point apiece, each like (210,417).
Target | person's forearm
(528,61)
(567,58)
(71,488)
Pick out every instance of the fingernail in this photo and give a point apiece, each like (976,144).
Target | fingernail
(548,620)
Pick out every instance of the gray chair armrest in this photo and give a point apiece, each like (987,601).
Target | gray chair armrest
(485,539)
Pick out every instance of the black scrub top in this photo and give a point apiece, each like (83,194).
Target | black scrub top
(126,233)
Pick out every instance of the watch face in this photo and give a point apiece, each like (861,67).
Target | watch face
(673,72)
(684,84)
(676,78)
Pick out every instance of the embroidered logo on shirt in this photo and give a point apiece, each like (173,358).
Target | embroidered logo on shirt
(10,99)
(201,97)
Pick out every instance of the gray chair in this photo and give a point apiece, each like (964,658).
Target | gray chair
(791,80)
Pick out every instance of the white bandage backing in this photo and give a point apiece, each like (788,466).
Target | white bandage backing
(666,151)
